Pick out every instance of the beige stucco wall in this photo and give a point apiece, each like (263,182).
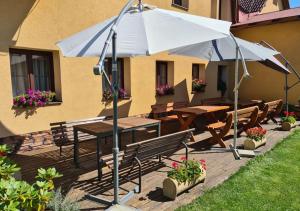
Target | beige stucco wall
(265,83)
(40,24)
(272,6)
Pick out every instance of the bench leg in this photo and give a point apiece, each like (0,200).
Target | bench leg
(140,174)
(218,137)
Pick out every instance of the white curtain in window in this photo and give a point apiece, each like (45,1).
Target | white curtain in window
(41,72)
(20,81)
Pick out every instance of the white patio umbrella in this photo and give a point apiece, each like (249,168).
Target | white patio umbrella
(225,49)
(140,30)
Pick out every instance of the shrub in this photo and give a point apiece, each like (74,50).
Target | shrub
(61,203)
(187,171)
(20,195)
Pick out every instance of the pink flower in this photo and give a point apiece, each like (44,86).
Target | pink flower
(175,165)
(183,158)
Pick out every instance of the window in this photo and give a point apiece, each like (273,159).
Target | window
(108,70)
(181,3)
(222,79)
(31,70)
(161,73)
(196,71)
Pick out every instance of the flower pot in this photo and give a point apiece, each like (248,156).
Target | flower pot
(171,188)
(251,144)
(286,126)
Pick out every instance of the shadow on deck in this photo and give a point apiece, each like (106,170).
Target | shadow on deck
(81,181)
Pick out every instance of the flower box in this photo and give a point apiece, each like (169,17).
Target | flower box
(34,98)
(288,121)
(256,137)
(251,144)
(171,188)
(287,126)
(183,176)
(164,90)
(198,86)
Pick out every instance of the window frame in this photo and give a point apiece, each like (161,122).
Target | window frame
(109,64)
(29,63)
(181,6)
(158,74)
(198,67)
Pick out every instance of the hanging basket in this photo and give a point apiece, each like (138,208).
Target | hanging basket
(286,126)
(171,188)
(251,144)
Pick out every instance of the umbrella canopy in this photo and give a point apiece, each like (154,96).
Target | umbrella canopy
(225,50)
(144,33)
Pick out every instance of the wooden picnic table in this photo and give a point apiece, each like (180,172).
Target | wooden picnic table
(187,115)
(241,103)
(105,128)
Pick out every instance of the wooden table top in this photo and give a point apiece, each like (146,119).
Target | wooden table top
(106,126)
(197,110)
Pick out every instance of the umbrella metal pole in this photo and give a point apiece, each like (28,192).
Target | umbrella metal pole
(286,92)
(115,118)
(236,94)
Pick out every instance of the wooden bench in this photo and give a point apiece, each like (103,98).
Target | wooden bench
(274,110)
(62,132)
(164,112)
(214,101)
(220,129)
(134,155)
(262,114)
(247,118)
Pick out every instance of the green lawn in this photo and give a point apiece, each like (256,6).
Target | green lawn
(268,182)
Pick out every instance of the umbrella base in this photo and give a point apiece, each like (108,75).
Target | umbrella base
(111,204)
(118,207)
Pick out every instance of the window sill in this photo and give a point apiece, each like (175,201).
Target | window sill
(180,7)
(197,92)
(164,95)
(119,99)
(35,107)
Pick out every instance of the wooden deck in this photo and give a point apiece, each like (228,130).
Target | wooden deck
(78,182)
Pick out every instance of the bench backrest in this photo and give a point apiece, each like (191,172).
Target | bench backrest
(275,106)
(246,112)
(163,145)
(63,131)
(164,109)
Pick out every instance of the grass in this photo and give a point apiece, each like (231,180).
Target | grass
(268,182)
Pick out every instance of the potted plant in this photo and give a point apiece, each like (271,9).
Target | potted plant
(34,98)
(198,85)
(107,95)
(256,137)
(183,176)
(288,121)
(164,90)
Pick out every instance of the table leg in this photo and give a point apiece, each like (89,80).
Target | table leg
(133,136)
(158,129)
(98,156)
(185,124)
(76,151)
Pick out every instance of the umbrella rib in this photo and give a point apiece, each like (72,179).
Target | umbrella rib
(93,39)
